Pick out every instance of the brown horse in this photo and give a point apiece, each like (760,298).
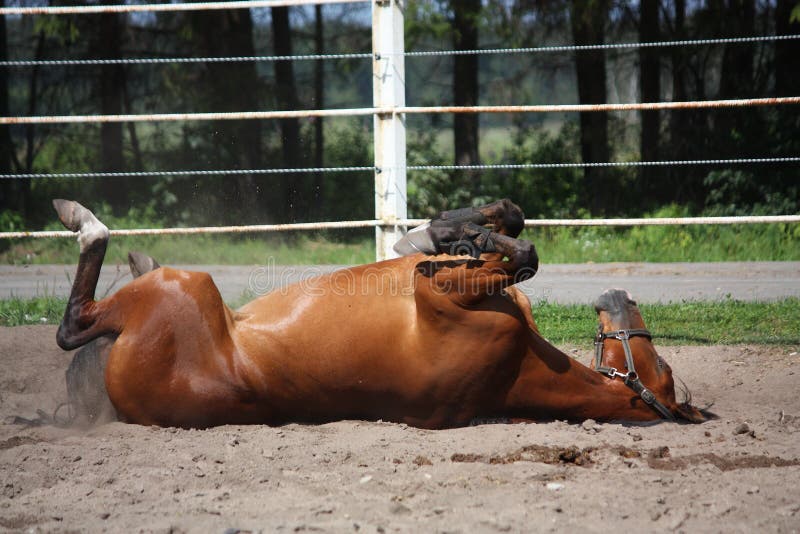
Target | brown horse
(431,339)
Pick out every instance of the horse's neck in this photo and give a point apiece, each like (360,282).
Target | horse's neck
(552,385)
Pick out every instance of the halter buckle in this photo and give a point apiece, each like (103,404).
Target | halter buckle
(647,396)
(622,335)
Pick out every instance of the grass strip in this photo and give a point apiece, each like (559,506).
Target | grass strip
(765,242)
(725,322)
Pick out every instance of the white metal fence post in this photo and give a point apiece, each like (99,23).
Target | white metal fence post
(388,89)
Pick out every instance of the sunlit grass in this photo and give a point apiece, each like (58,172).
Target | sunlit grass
(685,323)
(203,250)
(765,242)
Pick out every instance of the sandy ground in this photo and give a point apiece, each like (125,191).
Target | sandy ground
(740,473)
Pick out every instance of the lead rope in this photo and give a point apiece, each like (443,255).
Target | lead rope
(631,378)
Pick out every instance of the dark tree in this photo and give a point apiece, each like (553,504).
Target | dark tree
(738,131)
(319,103)
(787,53)
(588,19)
(466,15)
(292,186)
(8,200)
(678,118)
(232,87)
(5,134)
(787,83)
(650,84)
(105,42)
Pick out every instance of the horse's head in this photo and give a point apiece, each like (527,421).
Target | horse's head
(624,349)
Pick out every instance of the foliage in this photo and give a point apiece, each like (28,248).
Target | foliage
(741,193)
(701,73)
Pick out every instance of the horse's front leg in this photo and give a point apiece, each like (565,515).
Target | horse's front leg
(503,217)
(438,236)
(504,261)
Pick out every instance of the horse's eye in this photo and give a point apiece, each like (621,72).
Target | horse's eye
(660,362)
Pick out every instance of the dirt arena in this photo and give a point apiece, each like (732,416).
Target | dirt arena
(739,473)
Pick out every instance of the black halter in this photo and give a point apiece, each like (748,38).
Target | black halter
(631,378)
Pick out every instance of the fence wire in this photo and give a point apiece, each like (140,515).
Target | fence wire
(140,8)
(366,55)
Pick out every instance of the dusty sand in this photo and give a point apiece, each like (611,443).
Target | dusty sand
(381,477)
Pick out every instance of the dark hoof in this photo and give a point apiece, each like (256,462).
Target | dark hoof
(69,213)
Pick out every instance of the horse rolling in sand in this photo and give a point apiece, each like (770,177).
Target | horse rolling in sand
(433,339)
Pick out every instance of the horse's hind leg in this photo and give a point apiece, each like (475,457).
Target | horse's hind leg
(83,319)
(86,386)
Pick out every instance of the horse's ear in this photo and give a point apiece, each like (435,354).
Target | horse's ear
(141,263)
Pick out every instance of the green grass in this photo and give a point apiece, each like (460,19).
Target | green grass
(202,249)
(687,323)
(762,242)
(724,322)
(765,242)
(40,310)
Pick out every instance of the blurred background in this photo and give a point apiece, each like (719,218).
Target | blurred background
(651,74)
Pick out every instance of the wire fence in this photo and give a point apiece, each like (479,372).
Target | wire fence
(410,53)
(418,168)
(142,8)
(377,112)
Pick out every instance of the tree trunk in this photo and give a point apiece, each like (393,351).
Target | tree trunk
(787,83)
(736,76)
(650,84)
(319,103)
(737,129)
(106,42)
(678,117)
(787,55)
(229,87)
(14,194)
(286,93)
(588,19)
(7,200)
(466,14)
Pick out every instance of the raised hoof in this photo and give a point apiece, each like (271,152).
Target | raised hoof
(141,263)
(69,213)
(416,240)
(78,219)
